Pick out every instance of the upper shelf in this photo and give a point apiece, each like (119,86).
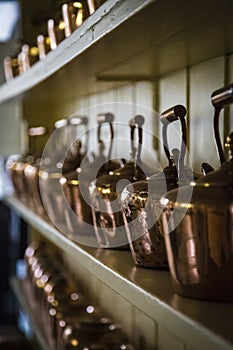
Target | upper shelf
(208,324)
(128,40)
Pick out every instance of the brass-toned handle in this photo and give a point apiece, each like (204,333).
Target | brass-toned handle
(177,112)
(136,121)
(76,121)
(220,98)
(174,113)
(37,131)
(60,123)
(73,14)
(103,118)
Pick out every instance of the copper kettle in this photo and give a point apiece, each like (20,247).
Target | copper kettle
(199,230)
(56,164)
(105,193)
(19,168)
(140,200)
(75,184)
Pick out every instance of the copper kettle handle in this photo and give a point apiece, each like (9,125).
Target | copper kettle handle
(33,133)
(103,118)
(177,112)
(77,120)
(220,98)
(136,121)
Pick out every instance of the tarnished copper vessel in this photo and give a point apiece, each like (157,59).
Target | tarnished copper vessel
(105,193)
(66,159)
(140,200)
(76,184)
(22,170)
(199,231)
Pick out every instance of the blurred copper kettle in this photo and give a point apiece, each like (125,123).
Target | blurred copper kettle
(75,184)
(18,168)
(140,200)
(197,221)
(65,159)
(105,193)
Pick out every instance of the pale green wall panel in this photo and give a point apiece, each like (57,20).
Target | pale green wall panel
(205,78)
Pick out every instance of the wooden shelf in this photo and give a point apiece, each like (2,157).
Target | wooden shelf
(206,323)
(124,41)
(129,41)
(21,292)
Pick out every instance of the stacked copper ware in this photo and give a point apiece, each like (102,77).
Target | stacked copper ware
(63,22)
(24,170)
(174,219)
(65,314)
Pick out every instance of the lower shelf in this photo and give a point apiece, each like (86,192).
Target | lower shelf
(20,290)
(208,324)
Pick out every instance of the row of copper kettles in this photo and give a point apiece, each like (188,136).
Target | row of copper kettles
(173,219)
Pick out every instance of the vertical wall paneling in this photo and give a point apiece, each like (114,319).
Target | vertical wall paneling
(24,136)
(204,79)
(10,130)
(124,110)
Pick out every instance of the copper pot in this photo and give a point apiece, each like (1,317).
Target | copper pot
(105,194)
(19,168)
(60,163)
(140,200)
(31,170)
(198,231)
(76,184)
(16,172)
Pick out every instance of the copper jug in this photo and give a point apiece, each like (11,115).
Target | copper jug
(55,164)
(17,167)
(31,170)
(140,200)
(199,230)
(105,193)
(76,184)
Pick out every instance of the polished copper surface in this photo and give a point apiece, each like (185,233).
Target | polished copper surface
(76,184)
(199,232)
(61,163)
(200,247)
(105,194)
(74,13)
(140,201)
(67,317)
(31,173)
(94,4)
